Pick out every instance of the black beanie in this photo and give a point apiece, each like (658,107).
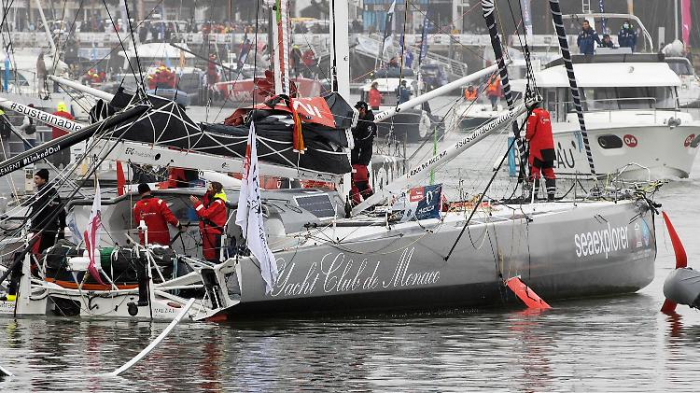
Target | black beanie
(43,173)
(144,188)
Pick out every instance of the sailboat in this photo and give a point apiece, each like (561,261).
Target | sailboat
(406,256)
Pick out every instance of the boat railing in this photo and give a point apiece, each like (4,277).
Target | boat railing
(618,180)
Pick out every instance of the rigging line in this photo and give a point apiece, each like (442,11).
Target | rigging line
(530,73)
(452,39)
(64,176)
(401,79)
(103,58)
(57,41)
(121,43)
(69,32)
(209,98)
(133,40)
(5,12)
(10,44)
(334,61)
(255,59)
(481,196)
(92,171)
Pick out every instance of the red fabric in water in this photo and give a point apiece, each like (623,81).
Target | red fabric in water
(527,295)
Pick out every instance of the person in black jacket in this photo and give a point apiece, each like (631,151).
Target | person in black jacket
(48,218)
(627,37)
(360,156)
(47,213)
(363,135)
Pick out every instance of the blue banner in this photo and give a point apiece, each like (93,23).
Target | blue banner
(420,203)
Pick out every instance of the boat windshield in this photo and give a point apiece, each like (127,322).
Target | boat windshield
(638,97)
(680,67)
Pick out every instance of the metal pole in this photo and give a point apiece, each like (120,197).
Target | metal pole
(675,18)
(85,89)
(435,93)
(65,142)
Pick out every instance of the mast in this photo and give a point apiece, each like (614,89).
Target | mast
(340,67)
(340,50)
(564,45)
(488,8)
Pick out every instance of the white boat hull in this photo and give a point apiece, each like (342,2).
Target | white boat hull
(655,151)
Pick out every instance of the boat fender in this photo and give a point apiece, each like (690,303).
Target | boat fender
(133,309)
(683,286)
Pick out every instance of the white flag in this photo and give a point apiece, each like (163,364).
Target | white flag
(249,215)
(92,233)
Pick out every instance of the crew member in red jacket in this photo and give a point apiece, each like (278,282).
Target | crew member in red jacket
(542,154)
(156,214)
(212,214)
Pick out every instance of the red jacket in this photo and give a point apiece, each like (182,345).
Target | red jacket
(156,213)
(212,214)
(57,132)
(374,98)
(494,87)
(539,133)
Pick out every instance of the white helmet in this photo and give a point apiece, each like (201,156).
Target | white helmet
(532,99)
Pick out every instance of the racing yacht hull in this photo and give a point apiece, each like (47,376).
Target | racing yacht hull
(561,250)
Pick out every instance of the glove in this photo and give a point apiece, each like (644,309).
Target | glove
(179,227)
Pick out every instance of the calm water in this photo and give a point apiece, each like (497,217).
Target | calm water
(607,344)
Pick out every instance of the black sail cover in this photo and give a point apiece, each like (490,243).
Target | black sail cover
(168,125)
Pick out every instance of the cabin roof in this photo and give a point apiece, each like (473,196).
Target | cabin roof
(610,70)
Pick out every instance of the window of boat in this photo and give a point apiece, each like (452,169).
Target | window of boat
(635,98)
(616,98)
(664,96)
(563,97)
(680,67)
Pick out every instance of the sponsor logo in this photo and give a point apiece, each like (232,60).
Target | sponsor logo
(630,140)
(688,140)
(130,151)
(336,273)
(604,241)
(161,310)
(45,117)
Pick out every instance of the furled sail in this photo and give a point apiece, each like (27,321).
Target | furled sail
(324,121)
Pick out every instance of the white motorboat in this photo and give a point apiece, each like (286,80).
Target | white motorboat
(632,116)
